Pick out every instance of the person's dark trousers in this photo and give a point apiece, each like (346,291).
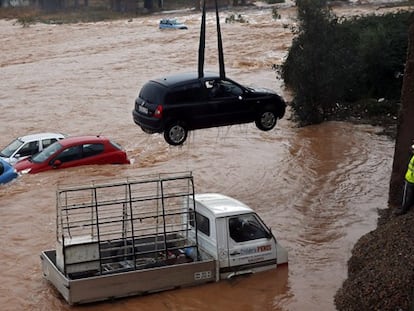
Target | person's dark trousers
(408,198)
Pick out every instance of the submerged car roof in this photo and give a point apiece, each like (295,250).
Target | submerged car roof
(176,79)
(32,137)
(82,139)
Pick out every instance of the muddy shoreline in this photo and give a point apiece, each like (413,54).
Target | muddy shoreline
(381,268)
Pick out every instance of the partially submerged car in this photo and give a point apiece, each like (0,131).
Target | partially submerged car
(7,172)
(74,151)
(175,104)
(171,23)
(28,145)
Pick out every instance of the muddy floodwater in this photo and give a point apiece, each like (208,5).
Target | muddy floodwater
(318,187)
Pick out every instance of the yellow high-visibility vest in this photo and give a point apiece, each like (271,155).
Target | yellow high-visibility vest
(409,176)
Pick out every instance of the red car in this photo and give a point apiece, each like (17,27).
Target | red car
(74,151)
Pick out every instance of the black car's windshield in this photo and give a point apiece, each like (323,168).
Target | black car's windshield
(11,148)
(231,88)
(46,153)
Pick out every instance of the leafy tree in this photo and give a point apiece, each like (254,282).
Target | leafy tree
(334,63)
(381,45)
(307,69)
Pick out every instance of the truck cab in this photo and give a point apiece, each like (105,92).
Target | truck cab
(234,235)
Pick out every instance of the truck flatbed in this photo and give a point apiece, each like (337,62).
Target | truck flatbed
(126,282)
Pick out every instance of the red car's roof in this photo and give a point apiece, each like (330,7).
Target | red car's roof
(82,140)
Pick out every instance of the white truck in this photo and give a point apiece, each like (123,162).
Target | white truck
(152,234)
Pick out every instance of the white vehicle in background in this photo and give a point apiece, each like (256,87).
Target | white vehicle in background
(26,146)
(171,23)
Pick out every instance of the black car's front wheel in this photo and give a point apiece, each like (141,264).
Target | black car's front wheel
(266,120)
(175,133)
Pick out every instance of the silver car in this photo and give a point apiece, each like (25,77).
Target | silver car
(26,146)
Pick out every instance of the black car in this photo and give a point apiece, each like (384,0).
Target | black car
(179,103)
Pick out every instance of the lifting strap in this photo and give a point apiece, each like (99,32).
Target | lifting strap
(202,43)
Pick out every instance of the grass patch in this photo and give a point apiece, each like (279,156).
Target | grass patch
(26,16)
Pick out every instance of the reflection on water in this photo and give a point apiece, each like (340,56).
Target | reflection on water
(318,187)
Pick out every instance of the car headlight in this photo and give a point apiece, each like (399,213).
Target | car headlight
(26,171)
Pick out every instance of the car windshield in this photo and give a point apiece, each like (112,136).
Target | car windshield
(117,146)
(170,21)
(11,148)
(223,88)
(1,168)
(46,153)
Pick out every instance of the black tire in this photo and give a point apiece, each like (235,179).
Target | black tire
(148,131)
(175,133)
(266,120)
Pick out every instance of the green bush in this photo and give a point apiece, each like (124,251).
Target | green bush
(339,61)
(275,14)
(233,19)
(26,20)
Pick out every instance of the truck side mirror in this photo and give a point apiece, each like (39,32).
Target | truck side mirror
(269,233)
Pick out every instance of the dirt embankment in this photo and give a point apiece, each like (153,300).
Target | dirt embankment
(381,269)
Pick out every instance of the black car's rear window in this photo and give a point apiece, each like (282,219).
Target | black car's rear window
(153,93)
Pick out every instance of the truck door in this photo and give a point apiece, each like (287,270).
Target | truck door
(250,243)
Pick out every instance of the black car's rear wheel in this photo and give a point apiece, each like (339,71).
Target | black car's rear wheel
(266,120)
(175,133)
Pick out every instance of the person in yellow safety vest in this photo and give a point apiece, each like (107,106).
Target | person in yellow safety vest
(408,196)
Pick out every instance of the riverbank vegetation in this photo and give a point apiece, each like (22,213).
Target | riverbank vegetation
(63,12)
(58,12)
(346,68)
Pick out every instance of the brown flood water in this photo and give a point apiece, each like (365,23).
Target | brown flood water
(318,187)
